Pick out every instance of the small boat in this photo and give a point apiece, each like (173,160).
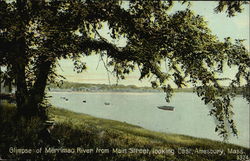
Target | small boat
(169,108)
(84,101)
(106,103)
(64,98)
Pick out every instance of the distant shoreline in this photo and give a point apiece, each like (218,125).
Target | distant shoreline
(84,87)
(104,88)
(106,92)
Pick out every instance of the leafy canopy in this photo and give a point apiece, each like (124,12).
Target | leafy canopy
(36,34)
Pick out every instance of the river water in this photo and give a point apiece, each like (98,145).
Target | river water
(190,116)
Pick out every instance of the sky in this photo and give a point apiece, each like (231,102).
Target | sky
(235,27)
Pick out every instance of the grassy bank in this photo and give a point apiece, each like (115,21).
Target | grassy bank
(93,138)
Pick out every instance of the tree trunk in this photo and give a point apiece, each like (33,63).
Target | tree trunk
(28,98)
(37,92)
(29,101)
(20,79)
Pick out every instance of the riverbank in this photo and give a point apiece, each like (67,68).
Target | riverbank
(91,138)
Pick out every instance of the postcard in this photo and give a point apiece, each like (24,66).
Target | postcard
(124,80)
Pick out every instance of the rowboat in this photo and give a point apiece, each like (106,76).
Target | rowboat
(169,108)
(106,103)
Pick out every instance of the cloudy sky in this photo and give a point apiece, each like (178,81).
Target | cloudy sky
(235,27)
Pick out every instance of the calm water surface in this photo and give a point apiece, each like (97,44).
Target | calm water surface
(189,118)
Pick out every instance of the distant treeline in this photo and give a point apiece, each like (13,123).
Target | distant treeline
(73,86)
(245,90)
(87,87)
(183,89)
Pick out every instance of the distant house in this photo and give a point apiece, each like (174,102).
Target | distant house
(7,93)
(6,88)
